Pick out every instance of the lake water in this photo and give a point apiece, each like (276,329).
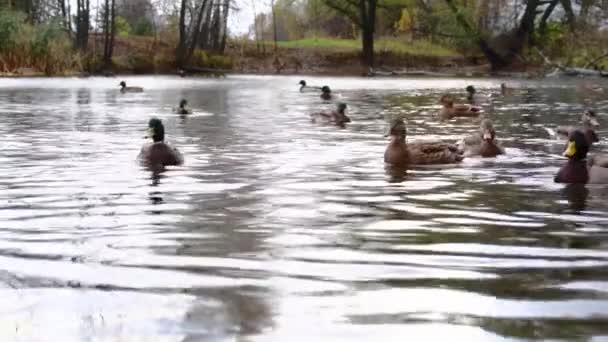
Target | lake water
(277,229)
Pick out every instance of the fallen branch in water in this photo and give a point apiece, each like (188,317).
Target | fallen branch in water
(593,62)
(569,71)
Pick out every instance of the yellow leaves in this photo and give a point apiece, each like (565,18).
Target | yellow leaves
(406,22)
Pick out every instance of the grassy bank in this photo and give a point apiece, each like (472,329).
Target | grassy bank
(392,45)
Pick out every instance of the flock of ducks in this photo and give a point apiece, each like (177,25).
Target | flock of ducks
(579,168)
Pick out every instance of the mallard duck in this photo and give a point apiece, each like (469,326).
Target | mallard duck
(337,117)
(471,97)
(578,169)
(483,143)
(400,153)
(505,90)
(125,89)
(158,153)
(183,109)
(451,110)
(304,87)
(326,93)
(589,124)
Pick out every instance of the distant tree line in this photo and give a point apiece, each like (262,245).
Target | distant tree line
(502,30)
(193,24)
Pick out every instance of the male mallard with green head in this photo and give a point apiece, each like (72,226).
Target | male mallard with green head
(471,94)
(125,89)
(183,108)
(304,87)
(326,93)
(400,153)
(578,169)
(158,153)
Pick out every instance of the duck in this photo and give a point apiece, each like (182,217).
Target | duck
(471,91)
(125,89)
(337,117)
(400,153)
(451,110)
(326,93)
(183,109)
(579,169)
(304,87)
(505,90)
(589,124)
(158,153)
(483,143)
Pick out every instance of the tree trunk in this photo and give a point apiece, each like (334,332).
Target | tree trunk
(113,30)
(106,32)
(274,26)
(542,27)
(225,25)
(526,27)
(215,34)
(496,60)
(82,24)
(571,18)
(181,45)
(196,30)
(205,40)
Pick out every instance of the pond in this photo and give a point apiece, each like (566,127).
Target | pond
(278,229)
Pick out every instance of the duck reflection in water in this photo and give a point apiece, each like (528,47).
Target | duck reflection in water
(397,174)
(156,197)
(576,195)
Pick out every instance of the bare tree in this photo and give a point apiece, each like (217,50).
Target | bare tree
(83,22)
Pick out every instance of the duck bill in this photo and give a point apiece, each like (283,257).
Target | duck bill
(570,150)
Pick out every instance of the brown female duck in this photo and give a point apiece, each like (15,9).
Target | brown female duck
(482,143)
(158,153)
(579,170)
(337,117)
(400,153)
(451,110)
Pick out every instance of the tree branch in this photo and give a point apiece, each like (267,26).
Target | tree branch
(335,5)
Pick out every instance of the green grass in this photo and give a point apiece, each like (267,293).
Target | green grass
(418,47)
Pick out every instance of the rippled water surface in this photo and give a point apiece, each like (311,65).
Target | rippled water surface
(277,229)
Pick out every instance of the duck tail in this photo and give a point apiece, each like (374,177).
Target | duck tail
(551,132)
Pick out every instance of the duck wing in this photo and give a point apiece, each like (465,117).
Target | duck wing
(434,153)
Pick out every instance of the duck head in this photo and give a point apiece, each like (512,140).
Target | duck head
(183,103)
(397,129)
(156,130)
(447,101)
(123,84)
(326,93)
(577,147)
(341,109)
(487,131)
(302,83)
(589,118)
(471,90)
